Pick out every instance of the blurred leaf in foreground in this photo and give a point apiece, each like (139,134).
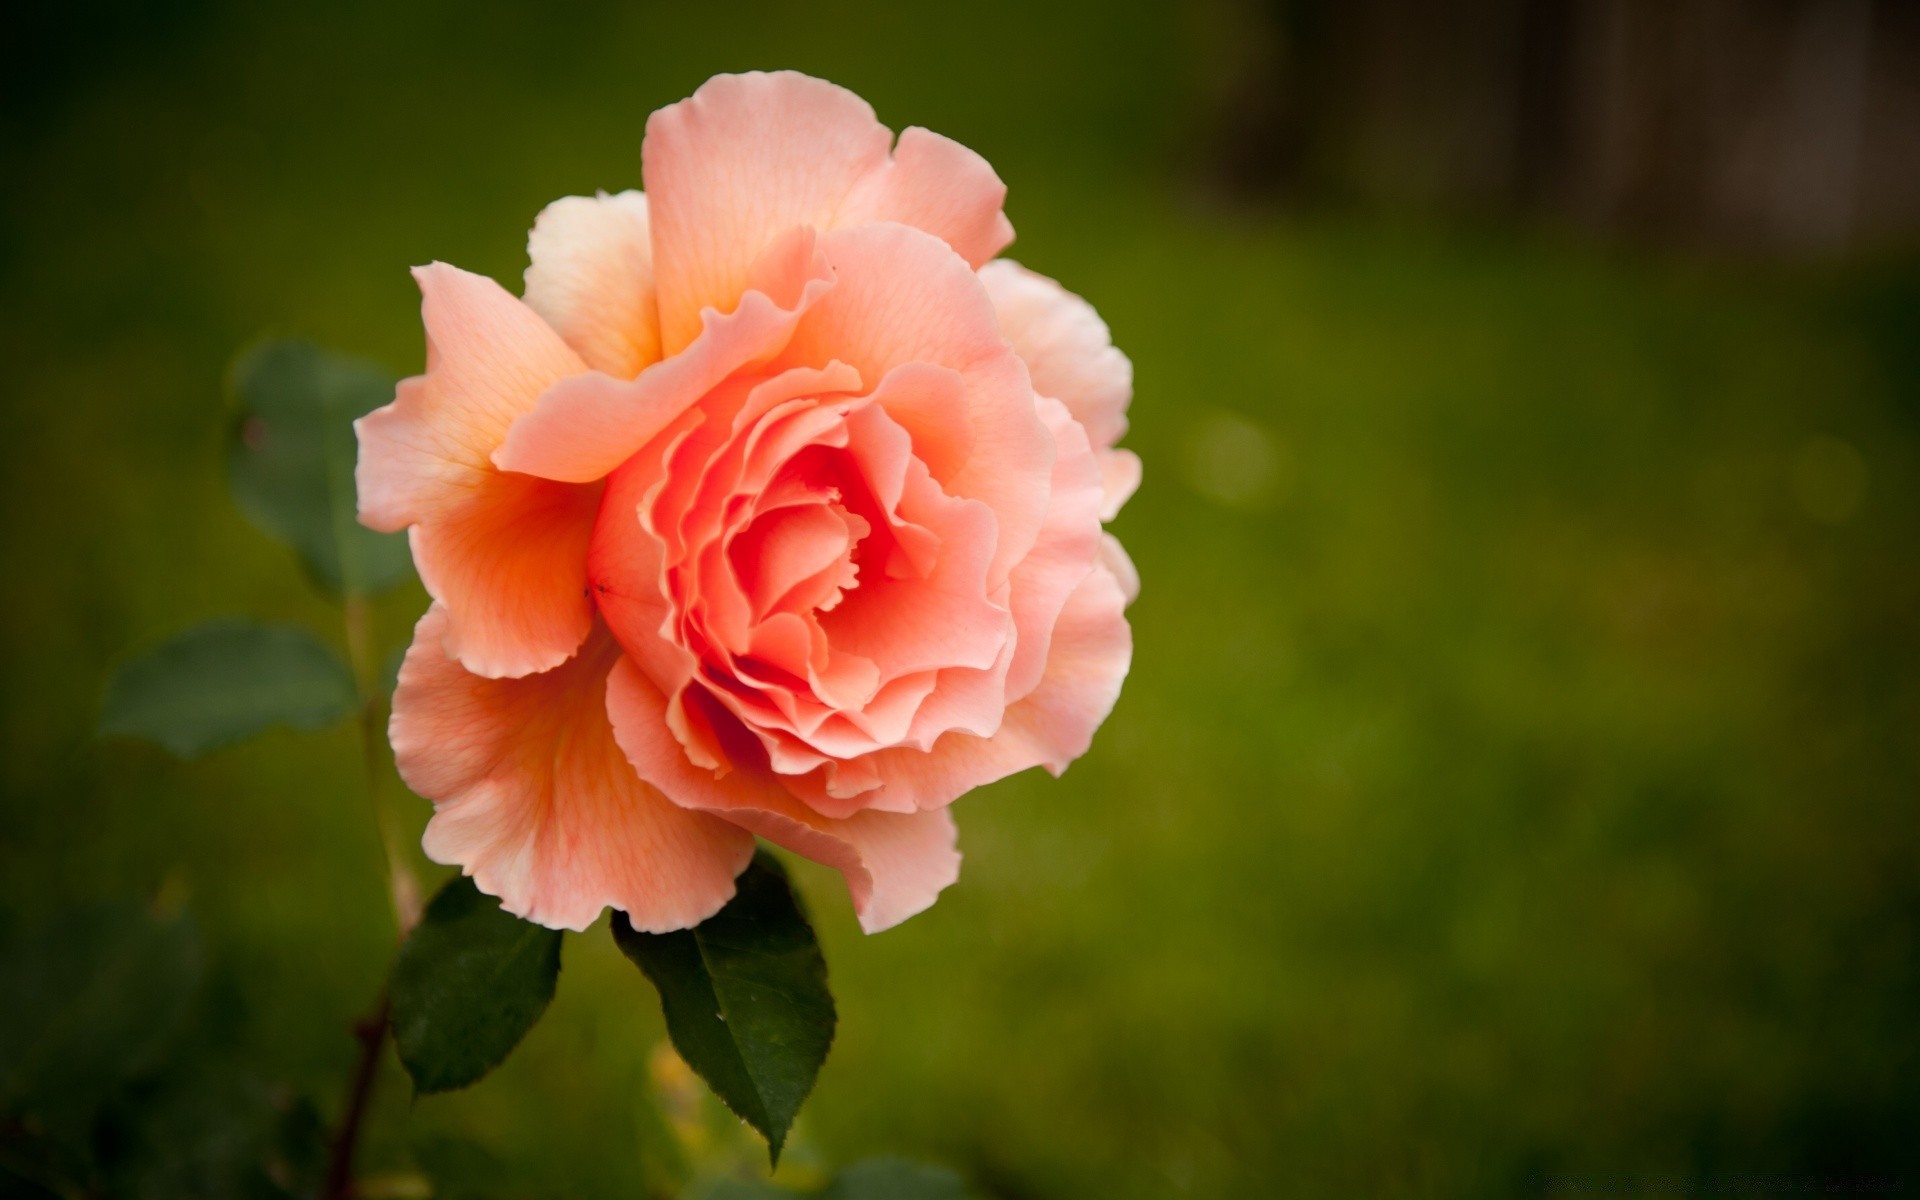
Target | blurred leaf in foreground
(90,999)
(211,1131)
(745,996)
(470,981)
(292,456)
(225,681)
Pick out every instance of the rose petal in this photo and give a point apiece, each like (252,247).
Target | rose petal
(895,864)
(902,296)
(590,274)
(510,565)
(586,426)
(1114,557)
(1120,478)
(1086,664)
(930,403)
(936,184)
(749,156)
(746,158)
(505,554)
(1065,345)
(535,800)
(1068,546)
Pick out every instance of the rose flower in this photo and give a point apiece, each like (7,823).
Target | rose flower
(774,508)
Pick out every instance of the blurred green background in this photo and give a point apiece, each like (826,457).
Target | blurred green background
(1515,791)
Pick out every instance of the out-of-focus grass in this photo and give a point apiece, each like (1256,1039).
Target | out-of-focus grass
(1518,777)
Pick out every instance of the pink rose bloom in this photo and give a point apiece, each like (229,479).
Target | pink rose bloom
(773,508)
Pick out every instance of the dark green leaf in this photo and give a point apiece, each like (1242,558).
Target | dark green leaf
(894,1179)
(746,1000)
(90,999)
(467,985)
(224,681)
(292,456)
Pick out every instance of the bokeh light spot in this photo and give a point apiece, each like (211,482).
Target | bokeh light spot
(1236,462)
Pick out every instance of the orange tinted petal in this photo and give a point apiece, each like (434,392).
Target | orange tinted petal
(505,554)
(590,274)
(535,800)
(895,864)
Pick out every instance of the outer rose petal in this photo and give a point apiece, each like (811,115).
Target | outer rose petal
(534,799)
(936,184)
(590,274)
(895,864)
(1113,556)
(510,565)
(741,161)
(749,156)
(1120,478)
(589,424)
(1068,545)
(505,554)
(1065,345)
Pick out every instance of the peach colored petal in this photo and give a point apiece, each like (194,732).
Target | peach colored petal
(535,800)
(505,554)
(930,403)
(936,184)
(1114,557)
(590,274)
(895,864)
(744,159)
(587,425)
(512,563)
(903,620)
(1091,650)
(1065,345)
(636,540)
(626,564)
(1120,478)
(749,156)
(902,296)
(1066,550)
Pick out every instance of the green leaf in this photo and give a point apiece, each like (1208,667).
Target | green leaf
(470,981)
(224,681)
(91,998)
(894,1179)
(292,455)
(746,1000)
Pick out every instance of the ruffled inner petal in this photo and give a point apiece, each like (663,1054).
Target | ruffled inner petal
(895,864)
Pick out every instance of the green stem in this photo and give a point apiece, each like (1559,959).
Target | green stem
(402,889)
